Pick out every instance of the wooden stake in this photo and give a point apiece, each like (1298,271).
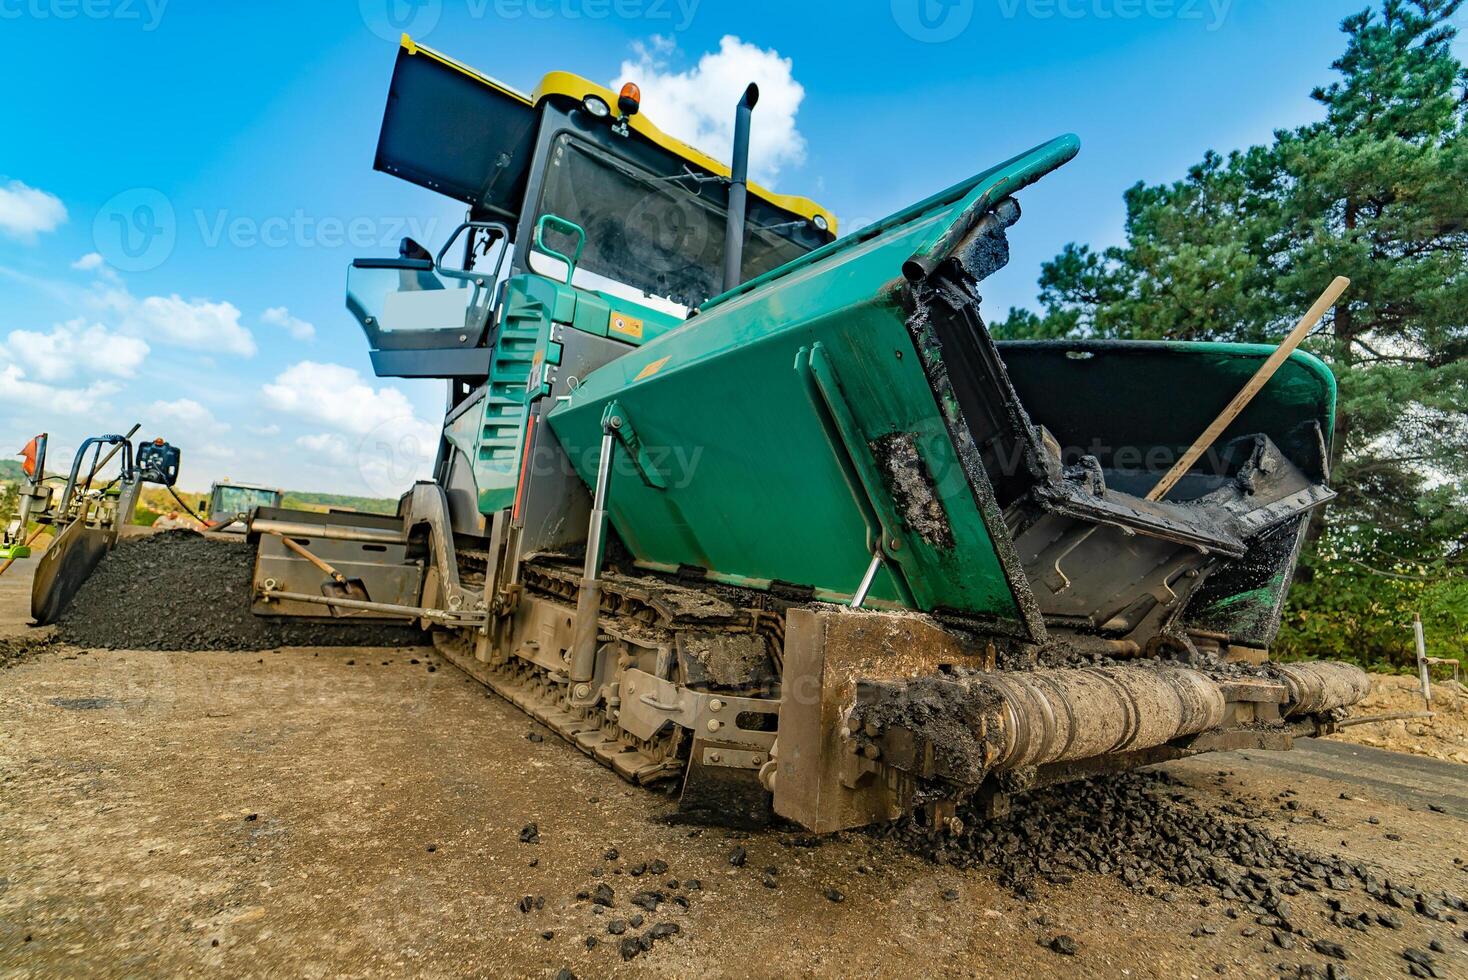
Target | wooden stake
(1246,394)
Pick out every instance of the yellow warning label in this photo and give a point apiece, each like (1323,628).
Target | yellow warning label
(652,369)
(627,326)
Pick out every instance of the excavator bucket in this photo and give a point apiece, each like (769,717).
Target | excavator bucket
(88,520)
(64,567)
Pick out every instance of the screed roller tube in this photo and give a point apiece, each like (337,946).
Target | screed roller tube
(1065,715)
(977,723)
(1317,687)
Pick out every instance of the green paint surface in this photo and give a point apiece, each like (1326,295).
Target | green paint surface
(758,489)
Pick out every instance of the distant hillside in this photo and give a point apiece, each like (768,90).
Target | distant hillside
(156,500)
(298,500)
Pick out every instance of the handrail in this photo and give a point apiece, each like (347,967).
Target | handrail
(570,228)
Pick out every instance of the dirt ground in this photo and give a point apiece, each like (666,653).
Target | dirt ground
(1444,736)
(349,812)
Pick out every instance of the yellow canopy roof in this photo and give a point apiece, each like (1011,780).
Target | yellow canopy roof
(568,84)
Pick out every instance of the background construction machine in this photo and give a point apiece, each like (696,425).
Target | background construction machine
(230,504)
(86,516)
(724,500)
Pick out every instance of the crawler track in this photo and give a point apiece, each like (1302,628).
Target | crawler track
(642,611)
(533,691)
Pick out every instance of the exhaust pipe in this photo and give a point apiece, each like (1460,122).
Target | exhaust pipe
(738,191)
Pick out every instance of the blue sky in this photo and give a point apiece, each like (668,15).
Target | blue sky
(249,130)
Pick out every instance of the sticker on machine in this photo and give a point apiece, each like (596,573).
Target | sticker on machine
(627,326)
(652,368)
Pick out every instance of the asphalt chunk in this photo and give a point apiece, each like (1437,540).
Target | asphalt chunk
(1062,944)
(1140,828)
(649,900)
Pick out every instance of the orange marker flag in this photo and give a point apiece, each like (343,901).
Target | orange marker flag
(29,455)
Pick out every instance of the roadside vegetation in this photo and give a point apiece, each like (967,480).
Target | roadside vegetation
(154,502)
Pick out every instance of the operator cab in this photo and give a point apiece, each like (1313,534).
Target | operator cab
(571,184)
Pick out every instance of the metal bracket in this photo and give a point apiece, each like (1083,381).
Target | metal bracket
(445,617)
(862,477)
(714,755)
(649,703)
(616,419)
(428,505)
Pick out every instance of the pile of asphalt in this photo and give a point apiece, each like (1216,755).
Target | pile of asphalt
(15,650)
(1141,829)
(178,590)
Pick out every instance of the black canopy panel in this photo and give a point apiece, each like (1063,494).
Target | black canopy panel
(455,131)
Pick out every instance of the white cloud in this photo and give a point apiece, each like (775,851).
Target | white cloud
(28,211)
(16,389)
(189,415)
(187,324)
(194,324)
(327,447)
(74,347)
(697,105)
(192,427)
(108,281)
(279,316)
(375,428)
(264,431)
(337,396)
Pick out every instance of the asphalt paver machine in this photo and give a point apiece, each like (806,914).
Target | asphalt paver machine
(729,502)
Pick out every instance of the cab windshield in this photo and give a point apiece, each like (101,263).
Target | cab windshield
(661,235)
(240,500)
